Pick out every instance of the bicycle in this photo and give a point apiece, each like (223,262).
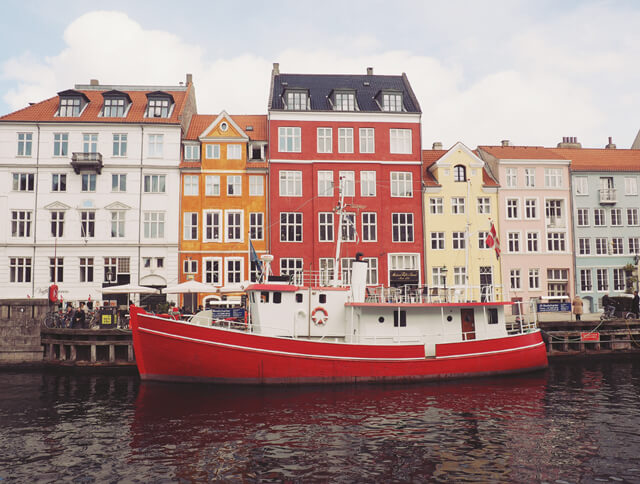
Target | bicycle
(610,313)
(57,319)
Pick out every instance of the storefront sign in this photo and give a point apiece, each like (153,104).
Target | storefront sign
(553,307)
(591,336)
(402,277)
(226,313)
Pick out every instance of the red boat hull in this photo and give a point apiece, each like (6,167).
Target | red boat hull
(170,350)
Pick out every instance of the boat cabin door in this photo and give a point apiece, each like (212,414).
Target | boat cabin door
(468,324)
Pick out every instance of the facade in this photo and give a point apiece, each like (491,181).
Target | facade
(90,190)
(534,207)
(224,199)
(460,204)
(606,222)
(351,135)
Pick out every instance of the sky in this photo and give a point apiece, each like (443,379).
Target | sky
(531,72)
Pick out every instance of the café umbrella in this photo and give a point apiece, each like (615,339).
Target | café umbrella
(129,289)
(190,287)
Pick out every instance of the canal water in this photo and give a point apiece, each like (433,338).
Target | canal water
(579,421)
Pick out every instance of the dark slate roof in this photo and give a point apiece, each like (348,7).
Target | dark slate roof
(320,86)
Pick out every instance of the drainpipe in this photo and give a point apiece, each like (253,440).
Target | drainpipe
(35,215)
(140,203)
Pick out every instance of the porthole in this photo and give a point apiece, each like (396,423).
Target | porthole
(381,319)
(449,318)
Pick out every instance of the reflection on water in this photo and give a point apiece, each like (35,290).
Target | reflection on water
(577,422)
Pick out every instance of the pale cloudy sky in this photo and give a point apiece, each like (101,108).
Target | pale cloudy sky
(483,71)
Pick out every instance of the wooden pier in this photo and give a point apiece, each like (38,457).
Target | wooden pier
(574,338)
(88,347)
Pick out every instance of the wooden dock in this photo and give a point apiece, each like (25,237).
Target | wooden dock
(88,347)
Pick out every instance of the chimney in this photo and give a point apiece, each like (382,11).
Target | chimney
(369,71)
(570,142)
(276,68)
(94,82)
(610,146)
(437,145)
(189,79)
(505,142)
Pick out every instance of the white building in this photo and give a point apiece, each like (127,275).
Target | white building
(90,190)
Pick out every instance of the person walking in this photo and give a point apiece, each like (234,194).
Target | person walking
(635,304)
(577,307)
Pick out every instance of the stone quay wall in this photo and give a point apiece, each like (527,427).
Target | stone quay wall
(20,323)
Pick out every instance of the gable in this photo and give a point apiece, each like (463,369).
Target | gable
(223,128)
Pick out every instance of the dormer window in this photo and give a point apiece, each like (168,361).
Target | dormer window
(344,101)
(115,104)
(391,101)
(159,105)
(71,103)
(296,100)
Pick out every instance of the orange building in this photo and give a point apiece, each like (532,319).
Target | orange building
(224,200)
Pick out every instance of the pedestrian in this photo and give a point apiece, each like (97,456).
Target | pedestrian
(577,307)
(68,315)
(79,317)
(607,304)
(635,304)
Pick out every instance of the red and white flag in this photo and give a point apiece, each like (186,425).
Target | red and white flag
(492,240)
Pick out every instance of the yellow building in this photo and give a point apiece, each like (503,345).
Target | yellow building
(460,204)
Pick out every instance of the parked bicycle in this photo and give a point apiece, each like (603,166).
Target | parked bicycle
(611,313)
(57,319)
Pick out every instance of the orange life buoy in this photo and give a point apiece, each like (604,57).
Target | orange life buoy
(53,293)
(319,319)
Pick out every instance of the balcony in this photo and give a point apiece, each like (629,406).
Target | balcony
(608,196)
(86,162)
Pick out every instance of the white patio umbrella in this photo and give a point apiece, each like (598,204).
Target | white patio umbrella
(235,288)
(129,289)
(189,287)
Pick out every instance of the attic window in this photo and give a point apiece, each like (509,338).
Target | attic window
(344,101)
(114,107)
(249,128)
(70,107)
(296,101)
(392,101)
(224,126)
(159,105)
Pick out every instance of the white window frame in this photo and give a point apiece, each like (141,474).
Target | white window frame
(514,242)
(256,226)
(512,177)
(212,225)
(58,182)
(234,221)
(368,184)
(155,145)
(60,144)
(290,183)
(256,186)
(153,222)
(118,224)
(234,151)
(401,184)
(212,151)
(531,208)
(234,185)
(631,186)
(237,270)
(530,177)
(484,205)
(348,183)
(458,205)
(402,225)
(367,140)
(437,240)
(553,178)
(324,140)
(325,183)
(345,140)
(289,139)
(191,183)
(119,145)
(533,238)
(326,227)
(155,183)
(210,273)
(400,141)
(293,226)
(369,227)
(436,206)
(190,229)
(212,185)
(581,187)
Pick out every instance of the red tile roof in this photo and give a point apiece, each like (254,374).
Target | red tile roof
(200,122)
(600,159)
(521,152)
(45,111)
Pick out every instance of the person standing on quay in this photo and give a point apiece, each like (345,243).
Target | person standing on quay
(577,307)
(635,304)
(79,317)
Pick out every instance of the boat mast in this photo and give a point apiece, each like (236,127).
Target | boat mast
(337,272)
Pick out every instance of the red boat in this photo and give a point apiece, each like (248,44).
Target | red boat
(314,334)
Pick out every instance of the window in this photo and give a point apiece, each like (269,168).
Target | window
(630,186)
(532,242)
(69,107)
(117,223)
(401,184)
(459,276)
(617,246)
(60,144)
(325,184)
(437,240)
(155,145)
(512,177)
(598,217)
(88,182)
(296,100)
(146,262)
(553,177)
(457,205)
(616,217)
(400,141)
(23,182)
(534,279)
(400,319)
(346,263)
(86,269)
(513,241)
(584,246)
(634,245)
(212,226)
(190,266)
(512,208)
(556,242)
(20,269)
(632,216)
(531,208)
(292,266)
(514,279)
(212,185)
(110,269)
(484,205)
(113,107)
(118,182)
(119,144)
(581,185)
(290,183)
(325,226)
(583,217)
(326,270)
(190,226)
(58,182)
(325,140)
(345,101)
(392,102)
(90,143)
(57,224)
(256,186)
(154,225)
(158,108)
(530,177)
(402,227)
(553,212)
(212,270)
(436,206)
(25,142)
(20,223)
(602,278)
(290,227)
(234,226)
(154,184)
(191,185)
(289,140)
(56,269)
(367,183)
(438,276)
(212,152)
(348,183)
(367,140)
(369,227)
(234,152)
(192,152)
(459,173)
(601,245)
(345,140)
(348,227)
(482,240)
(234,270)
(586,284)
(256,226)
(458,240)
(87,224)
(372,270)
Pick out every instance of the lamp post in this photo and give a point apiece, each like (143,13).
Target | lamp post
(443,271)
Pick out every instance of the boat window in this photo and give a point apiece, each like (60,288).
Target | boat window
(298,298)
(264,297)
(277,297)
(381,319)
(322,298)
(493,315)
(252,296)
(400,319)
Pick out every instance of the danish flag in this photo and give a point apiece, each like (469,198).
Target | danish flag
(493,241)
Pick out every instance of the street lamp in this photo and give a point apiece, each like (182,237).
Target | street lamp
(443,271)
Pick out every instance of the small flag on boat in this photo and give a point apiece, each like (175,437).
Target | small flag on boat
(493,241)
(253,257)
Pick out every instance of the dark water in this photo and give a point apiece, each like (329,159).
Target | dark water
(576,422)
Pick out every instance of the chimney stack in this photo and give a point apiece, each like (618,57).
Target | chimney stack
(189,79)
(94,82)
(369,71)
(437,145)
(505,142)
(276,68)
(569,142)
(610,146)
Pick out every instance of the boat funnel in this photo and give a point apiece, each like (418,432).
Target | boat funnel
(358,280)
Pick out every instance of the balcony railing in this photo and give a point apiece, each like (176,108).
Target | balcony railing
(608,195)
(87,162)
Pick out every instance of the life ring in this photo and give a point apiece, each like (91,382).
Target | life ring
(319,319)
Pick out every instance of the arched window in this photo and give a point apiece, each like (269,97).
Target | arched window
(459,173)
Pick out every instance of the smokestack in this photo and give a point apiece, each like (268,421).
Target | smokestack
(276,68)
(505,142)
(610,146)
(94,82)
(369,71)
(437,145)
(189,79)
(570,142)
